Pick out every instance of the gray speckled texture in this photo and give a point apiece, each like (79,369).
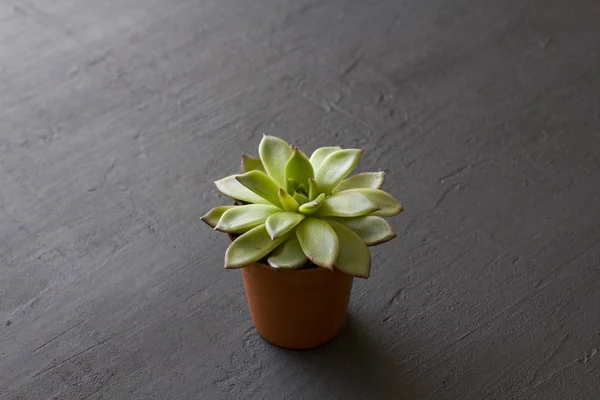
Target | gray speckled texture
(117,115)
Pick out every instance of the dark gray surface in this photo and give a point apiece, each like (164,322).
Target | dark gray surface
(116,116)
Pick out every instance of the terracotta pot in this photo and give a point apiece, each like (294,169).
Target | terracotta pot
(297,309)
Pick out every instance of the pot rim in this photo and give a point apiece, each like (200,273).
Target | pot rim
(294,270)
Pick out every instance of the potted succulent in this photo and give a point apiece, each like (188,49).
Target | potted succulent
(300,230)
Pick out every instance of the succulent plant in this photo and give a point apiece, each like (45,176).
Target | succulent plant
(291,209)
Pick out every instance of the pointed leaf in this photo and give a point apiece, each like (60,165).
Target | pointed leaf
(287,201)
(251,247)
(320,154)
(250,163)
(290,185)
(354,257)
(313,189)
(274,154)
(318,242)
(232,188)
(212,217)
(299,168)
(281,223)
(388,205)
(336,167)
(261,184)
(373,180)
(288,255)
(347,204)
(312,206)
(301,189)
(240,219)
(371,229)
(300,198)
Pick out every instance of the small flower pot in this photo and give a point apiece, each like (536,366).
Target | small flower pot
(289,208)
(297,309)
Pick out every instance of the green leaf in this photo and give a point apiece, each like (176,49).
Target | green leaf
(312,206)
(300,189)
(261,184)
(371,229)
(299,168)
(240,219)
(347,204)
(250,163)
(316,159)
(388,206)
(373,180)
(212,217)
(288,255)
(251,247)
(290,185)
(336,167)
(354,257)
(274,154)
(300,198)
(281,223)
(230,187)
(287,201)
(313,189)
(318,242)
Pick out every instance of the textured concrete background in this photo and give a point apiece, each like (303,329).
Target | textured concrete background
(117,115)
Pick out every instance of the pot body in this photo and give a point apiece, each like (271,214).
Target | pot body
(297,309)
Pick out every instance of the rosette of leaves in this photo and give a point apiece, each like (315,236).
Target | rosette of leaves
(291,209)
